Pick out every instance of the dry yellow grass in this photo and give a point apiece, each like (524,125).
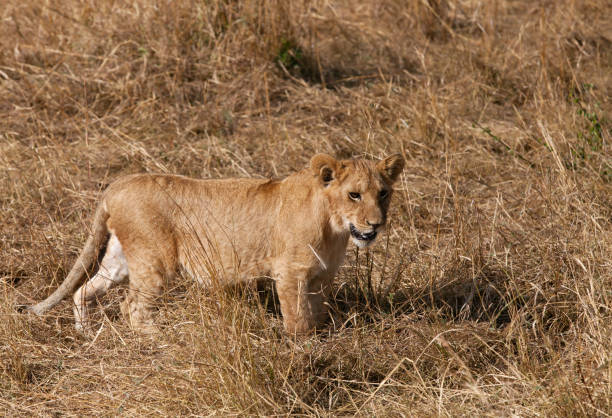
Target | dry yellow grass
(491,293)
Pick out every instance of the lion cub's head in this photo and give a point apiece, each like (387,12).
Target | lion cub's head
(359,192)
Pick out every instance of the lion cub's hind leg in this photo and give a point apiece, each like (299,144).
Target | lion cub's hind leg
(113,270)
(147,277)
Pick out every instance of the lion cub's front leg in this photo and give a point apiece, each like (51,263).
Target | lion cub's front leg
(302,299)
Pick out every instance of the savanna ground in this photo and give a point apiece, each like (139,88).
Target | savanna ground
(491,292)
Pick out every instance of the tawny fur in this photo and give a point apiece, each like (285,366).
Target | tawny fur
(294,230)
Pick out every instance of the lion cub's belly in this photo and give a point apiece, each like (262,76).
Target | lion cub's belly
(114,265)
(212,266)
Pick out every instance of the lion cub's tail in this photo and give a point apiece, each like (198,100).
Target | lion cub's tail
(86,260)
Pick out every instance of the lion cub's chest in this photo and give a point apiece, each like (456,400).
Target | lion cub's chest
(329,257)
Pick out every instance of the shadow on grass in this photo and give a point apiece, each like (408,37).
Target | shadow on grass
(456,297)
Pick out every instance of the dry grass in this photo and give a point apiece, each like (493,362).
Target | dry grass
(491,293)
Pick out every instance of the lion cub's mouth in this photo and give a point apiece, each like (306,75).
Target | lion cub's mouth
(366,237)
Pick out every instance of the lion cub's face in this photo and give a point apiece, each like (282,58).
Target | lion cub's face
(359,192)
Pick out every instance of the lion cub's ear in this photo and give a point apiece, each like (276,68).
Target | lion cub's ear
(325,167)
(391,166)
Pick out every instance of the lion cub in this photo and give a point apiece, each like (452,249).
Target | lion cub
(295,230)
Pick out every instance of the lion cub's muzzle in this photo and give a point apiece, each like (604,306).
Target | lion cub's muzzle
(363,238)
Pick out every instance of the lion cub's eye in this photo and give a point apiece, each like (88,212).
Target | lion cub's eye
(383,194)
(355,196)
